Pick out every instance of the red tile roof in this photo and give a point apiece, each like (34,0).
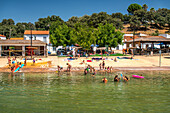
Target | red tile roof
(2,35)
(35,32)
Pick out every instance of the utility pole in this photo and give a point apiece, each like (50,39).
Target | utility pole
(10,33)
(31,38)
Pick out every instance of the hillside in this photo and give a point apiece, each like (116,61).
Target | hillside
(149,31)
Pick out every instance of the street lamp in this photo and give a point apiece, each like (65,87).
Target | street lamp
(31,37)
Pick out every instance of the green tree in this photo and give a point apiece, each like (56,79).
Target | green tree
(133,7)
(84,35)
(61,34)
(44,23)
(142,17)
(145,7)
(108,35)
(152,10)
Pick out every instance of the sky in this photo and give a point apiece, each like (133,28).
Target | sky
(32,10)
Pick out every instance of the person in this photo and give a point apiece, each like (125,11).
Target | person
(100,65)
(59,68)
(25,62)
(82,62)
(33,61)
(12,69)
(94,72)
(115,60)
(104,80)
(19,66)
(125,78)
(85,71)
(103,64)
(68,67)
(116,79)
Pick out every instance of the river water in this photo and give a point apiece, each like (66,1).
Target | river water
(74,92)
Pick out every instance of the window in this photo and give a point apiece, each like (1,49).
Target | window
(44,39)
(34,37)
(29,38)
(54,48)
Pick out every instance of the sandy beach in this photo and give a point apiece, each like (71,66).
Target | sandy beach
(138,63)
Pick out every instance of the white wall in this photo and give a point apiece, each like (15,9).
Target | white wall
(38,37)
(165,35)
(2,38)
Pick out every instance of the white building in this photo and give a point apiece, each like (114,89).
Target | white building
(165,35)
(40,35)
(2,37)
(127,37)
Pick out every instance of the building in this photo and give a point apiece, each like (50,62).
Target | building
(2,37)
(22,48)
(39,35)
(127,37)
(149,44)
(165,35)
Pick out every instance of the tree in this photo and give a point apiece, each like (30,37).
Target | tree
(117,15)
(44,23)
(145,7)
(133,7)
(60,34)
(108,35)
(85,36)
(142,17)
(135,23)
(72,21)
(152,10)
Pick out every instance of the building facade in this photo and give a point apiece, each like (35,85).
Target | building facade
(2,37)
(22,48)
(40,35)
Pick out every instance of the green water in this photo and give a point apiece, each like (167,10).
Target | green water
(50,92)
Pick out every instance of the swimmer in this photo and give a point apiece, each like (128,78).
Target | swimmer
(104,80)
(116,79)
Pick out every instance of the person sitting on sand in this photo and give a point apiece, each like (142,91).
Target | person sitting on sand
(82,62)
(115,60)
(116,79)
(68,67)
(104,80)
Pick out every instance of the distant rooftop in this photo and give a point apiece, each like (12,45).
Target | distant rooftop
(35,32)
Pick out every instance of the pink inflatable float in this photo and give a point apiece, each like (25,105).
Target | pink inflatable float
(137,76)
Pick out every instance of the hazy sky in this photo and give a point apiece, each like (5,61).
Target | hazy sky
(31,10)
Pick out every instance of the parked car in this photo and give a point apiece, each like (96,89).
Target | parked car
(60,51)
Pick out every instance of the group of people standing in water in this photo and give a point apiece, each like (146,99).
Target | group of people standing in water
(116,79)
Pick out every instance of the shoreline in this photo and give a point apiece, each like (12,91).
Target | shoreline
(81,69)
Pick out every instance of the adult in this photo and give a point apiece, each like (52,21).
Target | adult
(68,67)
(116,79)
(103,64)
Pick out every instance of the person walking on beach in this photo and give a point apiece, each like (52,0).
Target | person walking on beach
(103,64)
(68,67)
(100,65)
